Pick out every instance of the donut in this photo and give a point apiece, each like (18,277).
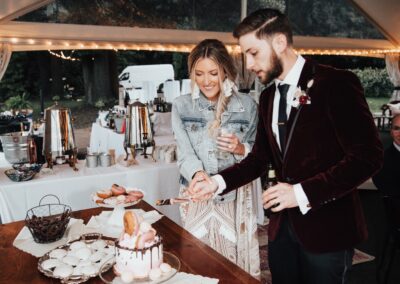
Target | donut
(131,198)
(117,190)
(136,193)
(104,193)
(131,224)
(145,238)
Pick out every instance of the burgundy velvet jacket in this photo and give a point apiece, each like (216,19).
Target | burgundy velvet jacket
(334,148)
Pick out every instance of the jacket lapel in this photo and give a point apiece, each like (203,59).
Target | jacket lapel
(307,74)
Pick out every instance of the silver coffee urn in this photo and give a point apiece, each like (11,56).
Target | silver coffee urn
(59,140)
(138,134)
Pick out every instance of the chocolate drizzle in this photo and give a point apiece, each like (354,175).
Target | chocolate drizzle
(143,251)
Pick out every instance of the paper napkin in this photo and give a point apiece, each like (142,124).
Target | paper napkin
(24,241)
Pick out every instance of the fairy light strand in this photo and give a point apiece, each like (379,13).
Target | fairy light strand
(63,56)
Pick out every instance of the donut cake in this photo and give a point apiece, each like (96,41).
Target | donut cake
(139,250)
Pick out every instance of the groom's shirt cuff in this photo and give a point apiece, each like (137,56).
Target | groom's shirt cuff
(301,198)
(221,184)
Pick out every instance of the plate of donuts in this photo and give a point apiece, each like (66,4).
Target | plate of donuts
(117,195)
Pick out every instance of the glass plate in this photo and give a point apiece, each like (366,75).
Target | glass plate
(108,276)
(74,279)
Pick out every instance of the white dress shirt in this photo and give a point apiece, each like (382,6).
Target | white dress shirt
(292,79)
(396,146)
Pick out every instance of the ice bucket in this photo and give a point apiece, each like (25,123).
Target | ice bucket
(138,133)
(59,139)
(16,147)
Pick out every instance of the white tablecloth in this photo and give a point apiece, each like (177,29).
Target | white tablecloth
(158,180)
(102,139)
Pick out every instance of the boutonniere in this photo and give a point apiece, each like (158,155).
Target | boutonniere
(301,97)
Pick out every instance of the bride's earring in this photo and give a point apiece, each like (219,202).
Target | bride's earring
(195,92)
(228,87)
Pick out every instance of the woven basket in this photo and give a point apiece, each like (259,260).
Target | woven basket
(48,222)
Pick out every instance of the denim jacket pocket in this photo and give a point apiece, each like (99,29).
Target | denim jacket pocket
(194,127)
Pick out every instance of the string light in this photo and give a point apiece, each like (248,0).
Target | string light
(62,55)
(348,52)
(184,48)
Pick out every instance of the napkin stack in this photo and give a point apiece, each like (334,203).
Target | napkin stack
(184,278)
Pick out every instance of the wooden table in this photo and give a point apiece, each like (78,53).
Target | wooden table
(197,258)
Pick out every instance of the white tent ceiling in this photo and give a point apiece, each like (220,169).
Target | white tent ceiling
(24,36)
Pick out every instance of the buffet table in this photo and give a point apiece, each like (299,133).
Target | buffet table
(158,180)
(195,257)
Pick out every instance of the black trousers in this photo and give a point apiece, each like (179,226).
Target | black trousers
(290,263)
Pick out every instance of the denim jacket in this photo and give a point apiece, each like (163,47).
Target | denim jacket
(196,148)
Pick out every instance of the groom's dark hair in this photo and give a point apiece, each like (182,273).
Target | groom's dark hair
(266,23)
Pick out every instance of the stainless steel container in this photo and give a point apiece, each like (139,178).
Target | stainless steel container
(119,124)
(92,160)
(138,133)
(59,139)
(104,160)
(16,147)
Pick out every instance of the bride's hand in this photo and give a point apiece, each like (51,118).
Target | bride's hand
(230,143)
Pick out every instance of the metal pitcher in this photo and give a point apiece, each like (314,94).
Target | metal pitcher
(138,133)
(59,139)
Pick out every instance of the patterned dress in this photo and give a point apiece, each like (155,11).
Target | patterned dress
(229,228)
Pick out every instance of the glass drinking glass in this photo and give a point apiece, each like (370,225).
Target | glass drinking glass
(221,154)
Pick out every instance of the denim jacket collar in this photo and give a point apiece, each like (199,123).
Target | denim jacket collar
(234,104)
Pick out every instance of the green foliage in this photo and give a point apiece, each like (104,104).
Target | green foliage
(375,81)
(100,104)
(18,102)
(14,81)
(55,98)
(329,18)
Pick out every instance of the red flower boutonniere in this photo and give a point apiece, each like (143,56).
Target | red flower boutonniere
(301,97)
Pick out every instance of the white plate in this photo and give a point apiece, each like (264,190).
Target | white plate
(123,204)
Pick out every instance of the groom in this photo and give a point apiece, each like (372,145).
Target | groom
(316,129)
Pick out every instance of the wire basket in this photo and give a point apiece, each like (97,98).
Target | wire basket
(48,222)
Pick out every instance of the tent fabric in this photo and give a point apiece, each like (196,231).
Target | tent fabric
(11,9)
(5,55)
(393,70)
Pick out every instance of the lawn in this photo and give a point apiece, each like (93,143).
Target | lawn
(376,103)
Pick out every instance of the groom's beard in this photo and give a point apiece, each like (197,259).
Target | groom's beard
(275,70)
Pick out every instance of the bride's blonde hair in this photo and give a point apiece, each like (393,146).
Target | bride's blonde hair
(217,52)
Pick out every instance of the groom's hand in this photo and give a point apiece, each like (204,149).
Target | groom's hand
(279,197)
(202,187)
(204,190)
